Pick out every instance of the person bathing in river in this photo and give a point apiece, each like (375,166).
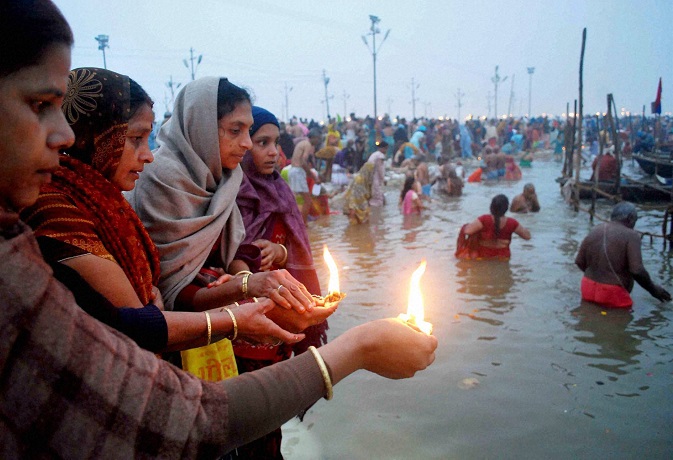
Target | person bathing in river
(410,199)
(611,260)
(526,201)
(495,230)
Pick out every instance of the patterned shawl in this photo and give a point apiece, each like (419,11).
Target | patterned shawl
(185,199)
(97,108)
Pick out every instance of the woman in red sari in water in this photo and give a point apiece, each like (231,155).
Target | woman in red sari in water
(495,230)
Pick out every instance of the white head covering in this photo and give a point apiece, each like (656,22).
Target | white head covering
(185,199)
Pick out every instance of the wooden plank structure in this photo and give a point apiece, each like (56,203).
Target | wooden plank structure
(573,158)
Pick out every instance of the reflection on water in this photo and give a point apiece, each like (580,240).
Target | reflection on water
(611,347)
(553,379)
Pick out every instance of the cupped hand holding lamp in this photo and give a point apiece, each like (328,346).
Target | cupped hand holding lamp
(260,321)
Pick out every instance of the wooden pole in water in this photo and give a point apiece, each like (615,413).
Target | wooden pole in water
(615,142)
(578,154)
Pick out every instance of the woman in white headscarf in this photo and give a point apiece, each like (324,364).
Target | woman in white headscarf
(187,201)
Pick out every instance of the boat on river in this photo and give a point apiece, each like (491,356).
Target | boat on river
(659,162)
(635,192)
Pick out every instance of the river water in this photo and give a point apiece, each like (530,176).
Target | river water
(524,369)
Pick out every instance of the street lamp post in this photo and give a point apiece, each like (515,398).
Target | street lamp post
(373,31)
(530,88)
(287,110)
(102,44)
(191,61)
(496,79)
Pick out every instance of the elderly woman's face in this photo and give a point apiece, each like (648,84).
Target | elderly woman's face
(33,128)
(265,148)
(234,134)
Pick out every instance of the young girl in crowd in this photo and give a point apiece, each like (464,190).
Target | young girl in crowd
(410,200)
(274,223)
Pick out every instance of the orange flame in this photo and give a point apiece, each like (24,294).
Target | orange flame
(415,311)
(333,286)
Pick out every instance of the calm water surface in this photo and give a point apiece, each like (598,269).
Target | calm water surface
(523,368)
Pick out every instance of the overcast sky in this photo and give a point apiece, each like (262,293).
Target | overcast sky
(442,46)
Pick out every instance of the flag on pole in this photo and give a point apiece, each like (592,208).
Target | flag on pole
(656,105)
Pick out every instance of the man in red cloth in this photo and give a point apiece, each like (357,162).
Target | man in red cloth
(611,260)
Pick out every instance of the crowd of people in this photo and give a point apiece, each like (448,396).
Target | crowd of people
(117,256)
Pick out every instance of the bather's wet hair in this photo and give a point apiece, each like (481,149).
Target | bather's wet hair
(625,213)
(408,185)
(229,96)
(499,206)
(28,28)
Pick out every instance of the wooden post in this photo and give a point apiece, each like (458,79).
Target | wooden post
(615,141)
(578,154)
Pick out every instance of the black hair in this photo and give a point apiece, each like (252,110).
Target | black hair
(27,29)
(408,184)
(499,206)
(229,96)
(139,97)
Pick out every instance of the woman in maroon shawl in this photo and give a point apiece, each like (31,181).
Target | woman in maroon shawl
(273,222)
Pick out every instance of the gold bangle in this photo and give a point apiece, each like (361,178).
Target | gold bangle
(323,370)
(244,285)
(233,321)
(282,262)
(243,272)
(210,328)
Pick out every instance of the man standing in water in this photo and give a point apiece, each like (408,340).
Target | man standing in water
(302,163)
(611,260)
(526,201)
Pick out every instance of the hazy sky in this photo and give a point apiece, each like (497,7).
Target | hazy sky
(443,46)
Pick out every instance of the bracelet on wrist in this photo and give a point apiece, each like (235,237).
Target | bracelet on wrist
(282,262)
(210,327)
(233,321)
(329,391)
(244,284)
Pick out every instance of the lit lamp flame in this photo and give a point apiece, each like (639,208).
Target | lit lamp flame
(415,314)
(333,286)
(333,293)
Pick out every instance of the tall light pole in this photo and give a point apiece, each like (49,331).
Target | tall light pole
(191,60)
(459,104)
(373,30)
(414,87)
(530,87)
(496,79)
(287,110)
(325,80)
(511,97)
(345,97)
(390,101)
(172,86)
(102,44)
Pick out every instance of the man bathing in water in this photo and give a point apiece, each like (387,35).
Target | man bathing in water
(302,163)
(611,260)
(526,201)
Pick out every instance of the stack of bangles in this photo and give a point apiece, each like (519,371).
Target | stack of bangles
(324,370)
(244,282)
